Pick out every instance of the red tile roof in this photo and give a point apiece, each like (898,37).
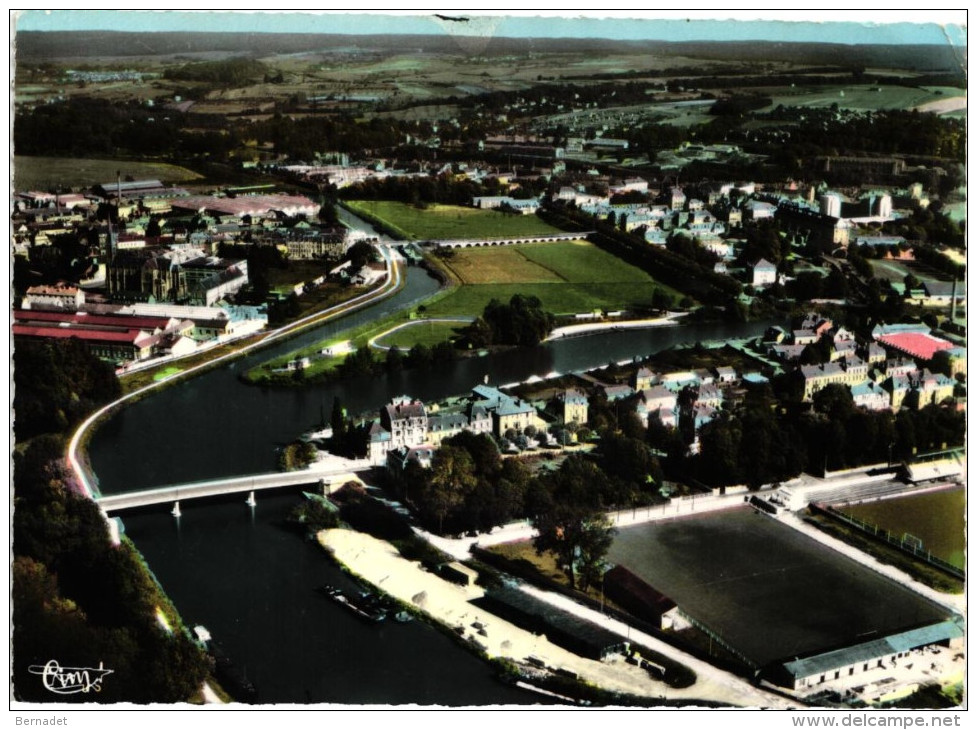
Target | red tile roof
(64,333)
(916,344)
(27,316)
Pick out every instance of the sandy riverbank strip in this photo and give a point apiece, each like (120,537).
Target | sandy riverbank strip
(380,564)
(575,330)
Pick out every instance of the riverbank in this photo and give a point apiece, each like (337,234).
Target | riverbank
(380,564)
(575,330)
(76,454)
(451,605)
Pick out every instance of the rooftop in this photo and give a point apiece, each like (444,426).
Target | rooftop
(871,650)
(916,344)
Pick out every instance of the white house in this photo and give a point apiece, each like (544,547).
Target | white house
(764,273)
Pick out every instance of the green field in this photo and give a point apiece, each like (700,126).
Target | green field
(936,518)
(849,96)
(167,372)
(358,336)
(556,298)
(43,173)
(569,277)
(421,332)
(451,221)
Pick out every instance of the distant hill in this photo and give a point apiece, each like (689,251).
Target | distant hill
(35,47)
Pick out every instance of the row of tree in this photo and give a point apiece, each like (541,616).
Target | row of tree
(365,361)
(760,443)
(470,487)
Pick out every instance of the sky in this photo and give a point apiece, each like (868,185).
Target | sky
(898,27)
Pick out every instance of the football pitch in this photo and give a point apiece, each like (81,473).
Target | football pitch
(770,592)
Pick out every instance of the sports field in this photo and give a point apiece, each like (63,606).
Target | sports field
(452,221)
(936,518)
(770,592)
(41,173)
(567,276)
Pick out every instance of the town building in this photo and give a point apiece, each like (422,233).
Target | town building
(157,274)
(643,379)
(871,396)
(118,339)
(508,413)
(861,659)
(658,402)
(406,419)
(847,373)
(918,345)
(764,273)
(571,406)
(248,206)
(61,296)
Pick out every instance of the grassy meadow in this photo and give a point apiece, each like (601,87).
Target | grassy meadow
(569,277)
(41,173)
(451,221)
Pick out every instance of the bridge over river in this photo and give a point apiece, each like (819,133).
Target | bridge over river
(328,473)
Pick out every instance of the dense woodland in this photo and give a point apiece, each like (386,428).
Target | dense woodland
(77,598)
(56,385)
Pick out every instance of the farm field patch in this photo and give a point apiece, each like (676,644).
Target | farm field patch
(865,97)
(452,221)
(498,265)
(33,173)
(568,277)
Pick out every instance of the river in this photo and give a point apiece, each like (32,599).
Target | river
(249,579)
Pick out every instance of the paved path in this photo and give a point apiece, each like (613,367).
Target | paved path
(210,697)
(711,683)
(380,564)
(456,320)
(574,330)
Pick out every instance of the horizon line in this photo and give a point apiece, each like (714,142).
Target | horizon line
(903,28)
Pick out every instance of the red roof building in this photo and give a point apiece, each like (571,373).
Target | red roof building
(918,345)
(110,337)
(114,345)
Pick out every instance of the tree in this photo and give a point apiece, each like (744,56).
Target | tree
(394,361)
(570,519)
(362,253)
(452,474)
(835,401)
(57,384)
(597,534)
(327,214)
(337,420)
(578,539)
